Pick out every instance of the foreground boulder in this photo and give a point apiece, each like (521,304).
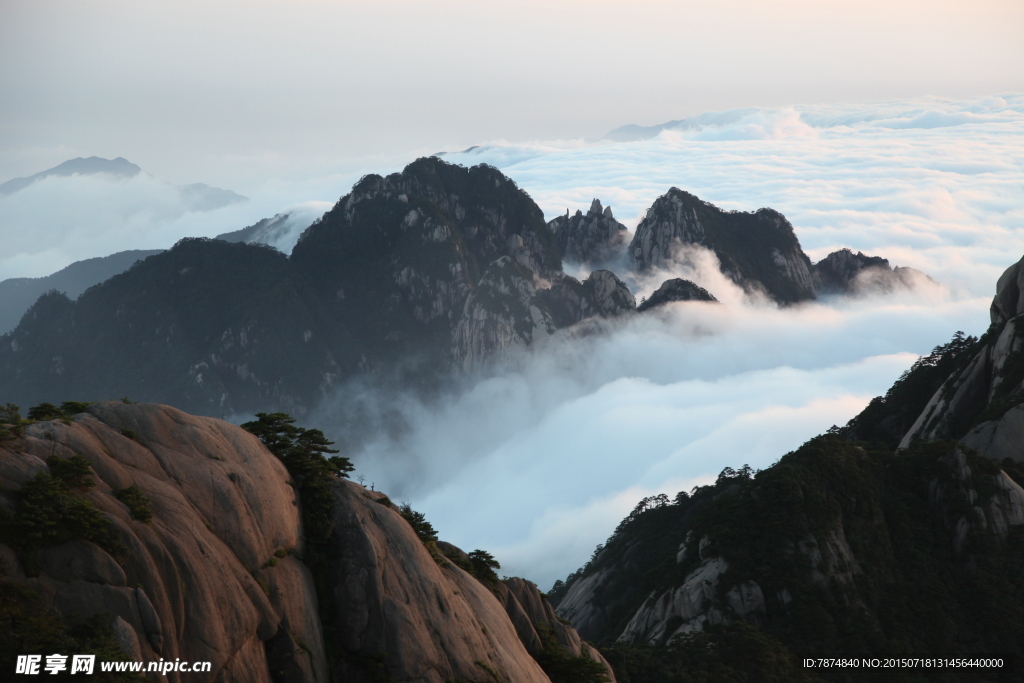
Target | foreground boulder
(189,545)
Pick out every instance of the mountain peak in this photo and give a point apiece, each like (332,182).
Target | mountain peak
(78,166)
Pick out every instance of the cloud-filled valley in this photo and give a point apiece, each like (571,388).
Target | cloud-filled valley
(538,460)
(541,461)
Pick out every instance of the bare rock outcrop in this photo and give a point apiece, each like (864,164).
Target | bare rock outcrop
(980,404)
(844,272)
(531,613)
(594,238)
(193,582)
(759,251)
(500,316)
(217,572)
(511,308)
(957,495)
(424,618)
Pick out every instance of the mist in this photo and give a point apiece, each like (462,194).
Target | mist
(538,460)
(932,184)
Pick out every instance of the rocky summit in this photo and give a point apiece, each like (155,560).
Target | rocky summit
(759,251)
(590,239)
(844,272)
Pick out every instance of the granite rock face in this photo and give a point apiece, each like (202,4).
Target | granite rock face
(192,582)
(217,574)
(590,239)
(429,619)
(980,403)
(512,308)
(759,251)
(844,272)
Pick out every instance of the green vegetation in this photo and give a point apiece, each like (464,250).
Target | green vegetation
(907,589)
(50,509)
(302,452)
(28,626)
(887,418)
(424,530)
(11,422)
(483,564)
(48,411)
(489,669)
(314,474)
(138,503)
(736,652)
(560,666)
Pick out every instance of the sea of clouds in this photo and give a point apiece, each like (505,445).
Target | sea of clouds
(538,462)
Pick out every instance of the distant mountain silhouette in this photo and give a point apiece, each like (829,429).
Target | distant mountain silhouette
(80,166)
(437,270)
(196,196)
(19,293)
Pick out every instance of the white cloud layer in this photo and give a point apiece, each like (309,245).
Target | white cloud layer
(933,184)
(517,462)
(59,220)
(539,463)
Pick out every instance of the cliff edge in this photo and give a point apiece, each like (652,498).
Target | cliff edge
(181,537)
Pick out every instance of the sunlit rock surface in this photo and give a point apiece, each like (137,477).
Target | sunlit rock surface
(218,573)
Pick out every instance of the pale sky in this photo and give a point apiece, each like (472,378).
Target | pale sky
(895,127)
(234,93)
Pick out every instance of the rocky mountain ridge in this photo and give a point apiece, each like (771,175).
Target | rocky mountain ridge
(208,560)
(593,239)
(412,277)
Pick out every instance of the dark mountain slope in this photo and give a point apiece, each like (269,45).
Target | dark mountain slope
(834,550)
(412,277)
(18,294)
(759,250)
(409,277)
(396,258)
(848,545)
(216,327)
